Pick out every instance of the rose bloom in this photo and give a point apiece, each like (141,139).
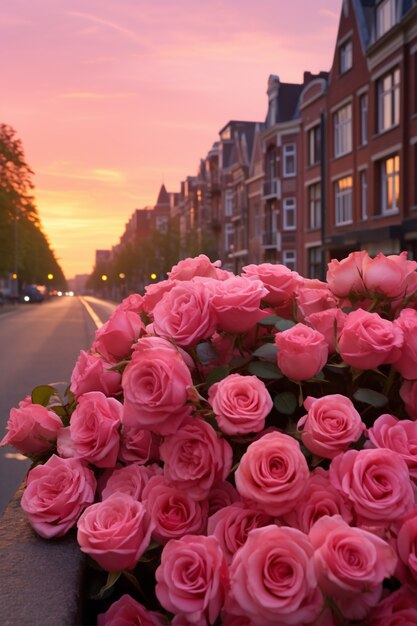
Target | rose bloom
(115,532)
(236,303)
(134,303)
(172,511)
(329,323)
(407,550)
(126,612)
(367,340)
(91,374)
(155,292)
(272,579)
(184,313)
(397,609)
(31,428)
(130,479)
(392,276)
(94,429)
(345,277)
(331,425)
(155,385)
(198,266)
(350,564)
(408,393)
(273,474)
(55,495)
(313,296)
(397,435)
(280,282)
(138,445)
(220,495)
(232,524)
(407,361)
(376,482)
(240,404)
(302,352)
(192,577)
(320,499)
(195,458)
(114,340)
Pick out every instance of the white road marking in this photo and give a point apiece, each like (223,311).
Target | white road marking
(97,321)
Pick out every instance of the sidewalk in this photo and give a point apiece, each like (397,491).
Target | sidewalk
(6,308)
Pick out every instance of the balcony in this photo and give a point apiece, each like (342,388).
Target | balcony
(271,240)
(271,188)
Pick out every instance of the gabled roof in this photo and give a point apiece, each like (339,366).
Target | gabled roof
(163,198)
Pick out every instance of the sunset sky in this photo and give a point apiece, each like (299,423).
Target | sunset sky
(112,97)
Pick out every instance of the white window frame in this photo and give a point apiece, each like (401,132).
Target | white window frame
(289,258)
(289,207)
(391,178)
(314,206)
(364,118)
(343,201)
(229,233)
(389,100)
(289,151)
(346,56)
(364,194)
(228,202)
(386,17)
(314,145)
(343,131)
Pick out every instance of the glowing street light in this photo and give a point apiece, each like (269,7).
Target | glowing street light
(50,276)
(153,276)
(122,275)
(104,277)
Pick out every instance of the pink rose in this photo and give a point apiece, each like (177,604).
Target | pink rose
(155,385)
(232,524)
(130,479)
(345,277)
(350,564)
(280,282)
(192,577)
(272,578)
(197,266)
(329,323)
(114,340)
(236,303)
(406,364)
(320,499)
(138,445)
(126,611)
(91,374)
(273,474)
(408,393)
(55,495)
(392,276)
(331,425)
(94,429)
(235,620)
(172,511)
(184,314)
(220,495)
(367,340)
(376,482)
(397,609)
(240,404)
(313,296)
(134,303)
(31,428)
(195,458)
(115,532)
(397,435)
(407,550)
(155,292)
(302,352)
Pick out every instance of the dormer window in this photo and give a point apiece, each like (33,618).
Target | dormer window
(346,57)
(386,17)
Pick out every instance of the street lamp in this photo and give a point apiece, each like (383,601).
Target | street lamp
(104,277)
(153,276)
(50,276)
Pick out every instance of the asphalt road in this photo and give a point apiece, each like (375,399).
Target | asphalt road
(39,344)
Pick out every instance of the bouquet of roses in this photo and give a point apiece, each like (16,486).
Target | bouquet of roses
(241,450)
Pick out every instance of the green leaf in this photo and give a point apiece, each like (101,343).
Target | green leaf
(369,396)
(285,402)
(264,369)
(267,352)
(270,320)
(206,353)
(42,394)
(112,579)
(217,374)
(283,324)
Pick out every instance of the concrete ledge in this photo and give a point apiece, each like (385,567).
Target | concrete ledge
(41,581)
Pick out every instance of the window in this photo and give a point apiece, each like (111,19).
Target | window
(314,206)
(161,224)
(228,202)
(229,237)
(289,214)
(288,258)
(385,17)
(314,263)
(258,222)
(314,145)
(390,185)
(345,58)
(270,165)
(289,159)
(343,201)
(364,194)
(389,100)
(363,101)
(343,131)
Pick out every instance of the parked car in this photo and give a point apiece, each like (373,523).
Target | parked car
(31,294)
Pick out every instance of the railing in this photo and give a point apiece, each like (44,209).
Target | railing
(271,188)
